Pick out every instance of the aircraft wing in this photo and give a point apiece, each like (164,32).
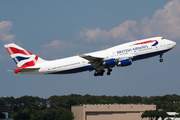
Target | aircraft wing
(96,61)
(89,58)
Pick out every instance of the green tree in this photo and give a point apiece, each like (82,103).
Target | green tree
(145,114)
(49,114)
(22,116)
(70,102)
(36,107)
(151,114)
(66,115)
(163,114)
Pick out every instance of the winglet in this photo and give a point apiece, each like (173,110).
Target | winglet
(80,54)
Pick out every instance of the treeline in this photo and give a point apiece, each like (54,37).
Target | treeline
(59,107)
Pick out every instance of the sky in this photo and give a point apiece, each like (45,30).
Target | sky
(56,29)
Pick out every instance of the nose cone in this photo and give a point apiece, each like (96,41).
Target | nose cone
(173,44)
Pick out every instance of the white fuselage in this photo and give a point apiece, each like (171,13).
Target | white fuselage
(135,50)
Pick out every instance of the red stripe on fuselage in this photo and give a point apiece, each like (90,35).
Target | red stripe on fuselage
(13,50)
(145,42)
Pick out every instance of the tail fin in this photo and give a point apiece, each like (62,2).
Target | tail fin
(22,57)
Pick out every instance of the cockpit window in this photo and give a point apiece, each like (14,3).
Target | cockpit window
(162,38)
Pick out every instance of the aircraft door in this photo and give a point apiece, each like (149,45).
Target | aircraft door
(135,52)
(140,49)
(108,56)
(84,62)
(49,69)
(155,48)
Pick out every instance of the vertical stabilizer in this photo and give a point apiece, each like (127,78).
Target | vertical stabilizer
(22,57)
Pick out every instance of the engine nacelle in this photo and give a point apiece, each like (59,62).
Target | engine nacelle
(110,62)
(125,62)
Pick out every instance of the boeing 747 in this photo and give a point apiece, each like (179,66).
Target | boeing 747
(120,56)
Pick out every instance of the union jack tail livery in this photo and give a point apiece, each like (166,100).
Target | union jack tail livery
(23,58)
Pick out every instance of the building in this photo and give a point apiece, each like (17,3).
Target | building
(110,112)
(4,109)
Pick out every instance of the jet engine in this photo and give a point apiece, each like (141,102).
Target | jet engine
(110,62)
(124,62)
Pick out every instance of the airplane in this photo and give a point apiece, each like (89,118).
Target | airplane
(120,56)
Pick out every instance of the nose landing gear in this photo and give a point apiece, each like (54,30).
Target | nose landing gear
(161,60)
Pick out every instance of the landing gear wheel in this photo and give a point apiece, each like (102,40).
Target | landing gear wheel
(102,72)
(96,74)
(99,73)
(160,60)
(108,73)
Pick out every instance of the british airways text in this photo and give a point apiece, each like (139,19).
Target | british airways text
(131,49)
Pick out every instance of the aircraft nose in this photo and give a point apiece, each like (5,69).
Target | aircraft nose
(173,44)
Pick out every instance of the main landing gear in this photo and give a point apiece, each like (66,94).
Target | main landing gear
(99,74)
(102,72)
(161,60)
(109,71)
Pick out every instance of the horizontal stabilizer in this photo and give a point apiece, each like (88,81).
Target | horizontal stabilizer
(26,69)
(22,69)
